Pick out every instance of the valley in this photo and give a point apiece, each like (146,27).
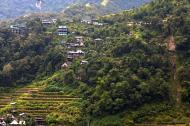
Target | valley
(131,67)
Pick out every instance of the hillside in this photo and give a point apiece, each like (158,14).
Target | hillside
(131,67)
(24,7)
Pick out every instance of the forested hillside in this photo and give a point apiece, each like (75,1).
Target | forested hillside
(133,67)
(16,8)
(23,57)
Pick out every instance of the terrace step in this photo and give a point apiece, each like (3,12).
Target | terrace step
(5,97)
(5,100)
(22,92)
(11,94)
(51,93)
(4,103)
(33,108)
(34,111)
(50,102)
(43,105)
(29,88)
(2,106)
(48,99)
(53,96)
(37,115)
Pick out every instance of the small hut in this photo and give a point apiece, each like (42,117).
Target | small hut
(84,62)
(65,65)
(14,123)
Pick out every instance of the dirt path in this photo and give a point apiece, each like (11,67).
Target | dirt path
(176,87)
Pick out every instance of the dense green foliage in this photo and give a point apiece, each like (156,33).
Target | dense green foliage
(24,58)
(127,69)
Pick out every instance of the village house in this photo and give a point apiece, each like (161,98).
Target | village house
(70,58)
(98,24)
(65,65)
(86,21)
(22,122)
(63,42)
(97,39)
(79,39)
(10,116)
(39,122)
(54,20)
(2,122)
(74,54)
(47,22)
(14,123)
(74,45)
(22,119)
(84,62)
(130,24)
(62,30)
(19,29)
(13,104)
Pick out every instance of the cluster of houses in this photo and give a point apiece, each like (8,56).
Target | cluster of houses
(21,120)
(14,119)
(22,30)
(11,120)
(74,47)
(140,23)
(92,22)
(62,30)
(74,51)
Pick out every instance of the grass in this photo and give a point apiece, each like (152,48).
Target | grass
(153,113)
(112,120)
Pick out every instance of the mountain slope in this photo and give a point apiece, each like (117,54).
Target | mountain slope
(14,8)
(131,76)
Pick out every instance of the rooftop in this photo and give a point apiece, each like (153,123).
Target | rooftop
(62,26)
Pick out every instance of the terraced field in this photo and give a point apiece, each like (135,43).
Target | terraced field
(35,102)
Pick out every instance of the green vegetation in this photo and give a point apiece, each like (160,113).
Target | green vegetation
(130,77)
